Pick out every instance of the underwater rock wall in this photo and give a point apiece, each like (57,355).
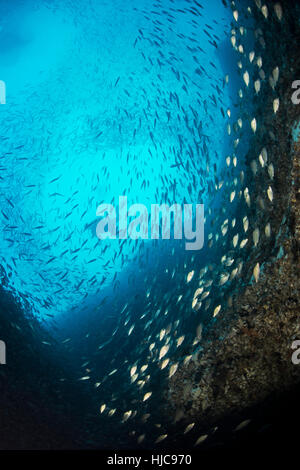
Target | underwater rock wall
(246,358)
(178,344)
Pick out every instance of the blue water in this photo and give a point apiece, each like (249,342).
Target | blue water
(143,99)
(85,88)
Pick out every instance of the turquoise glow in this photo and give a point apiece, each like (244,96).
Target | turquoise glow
(94,109)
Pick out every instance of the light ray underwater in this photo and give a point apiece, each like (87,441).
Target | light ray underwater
(136,341)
